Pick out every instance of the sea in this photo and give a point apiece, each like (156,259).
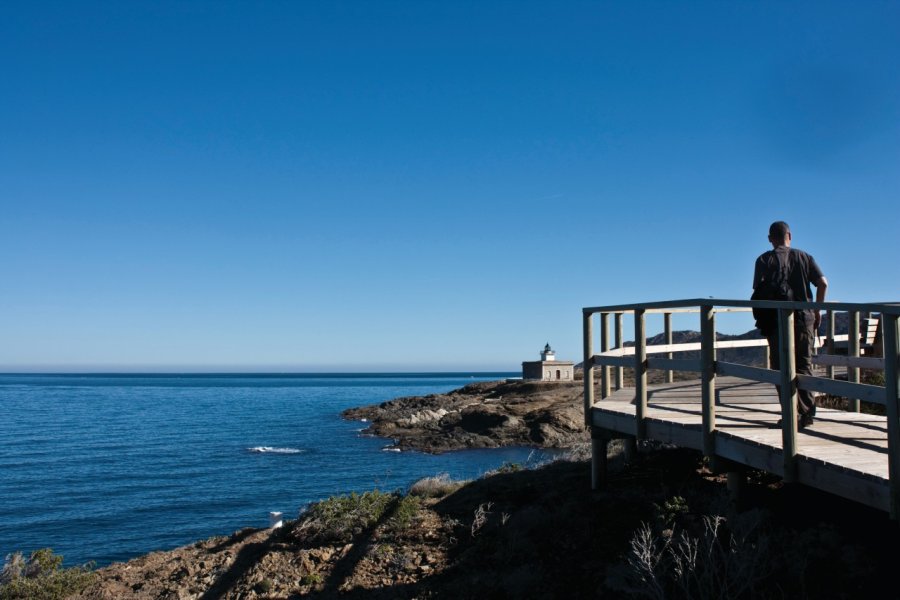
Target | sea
(105,467)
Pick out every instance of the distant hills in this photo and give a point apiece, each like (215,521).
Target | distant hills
(747,356)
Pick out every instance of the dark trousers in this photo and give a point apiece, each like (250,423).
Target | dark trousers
(804,338)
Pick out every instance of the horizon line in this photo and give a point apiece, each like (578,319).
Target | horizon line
(254,373)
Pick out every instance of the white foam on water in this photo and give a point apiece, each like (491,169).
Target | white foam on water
(273,450)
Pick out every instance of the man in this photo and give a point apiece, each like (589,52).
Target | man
(800,270)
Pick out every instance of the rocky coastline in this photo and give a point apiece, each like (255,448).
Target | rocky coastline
(528,533)
(481,415)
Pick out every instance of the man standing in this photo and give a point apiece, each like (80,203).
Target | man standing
(794,270)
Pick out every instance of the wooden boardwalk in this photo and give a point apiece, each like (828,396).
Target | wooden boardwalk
(844,453)
(730,412)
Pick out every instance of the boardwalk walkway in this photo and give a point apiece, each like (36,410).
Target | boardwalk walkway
(729,413)
(844,453)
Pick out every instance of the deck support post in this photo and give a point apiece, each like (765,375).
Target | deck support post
(629,448)
(599,458)
(620,371)
(604,346)
(788,392)
(891,336)
(735,478)
(640,373)
(588,365)
(829,370)
(667,327)
(736,483)
(853,350)
(708,377)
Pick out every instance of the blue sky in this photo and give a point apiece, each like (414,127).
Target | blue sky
(309,186)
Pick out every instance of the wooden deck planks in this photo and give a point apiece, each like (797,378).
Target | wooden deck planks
(844,453)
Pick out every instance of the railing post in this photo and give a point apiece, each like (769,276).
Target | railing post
(891,335)
(853,350)
(667,326)
(788,392)
(640,373)
(831,329)
(620,372)
(604,346)
(708,374)
(588,364)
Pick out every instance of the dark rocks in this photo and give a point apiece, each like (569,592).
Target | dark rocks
(481,415)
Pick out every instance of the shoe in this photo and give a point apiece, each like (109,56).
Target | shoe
(802,422)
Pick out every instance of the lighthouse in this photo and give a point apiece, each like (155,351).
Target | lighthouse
(548,368)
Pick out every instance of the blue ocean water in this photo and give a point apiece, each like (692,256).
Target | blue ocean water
(107,467)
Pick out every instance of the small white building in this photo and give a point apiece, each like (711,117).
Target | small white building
(548,368)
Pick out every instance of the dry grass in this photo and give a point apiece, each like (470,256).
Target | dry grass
(435,487)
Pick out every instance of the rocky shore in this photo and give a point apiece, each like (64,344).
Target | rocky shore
(481,415)
(531,533)
(540,533)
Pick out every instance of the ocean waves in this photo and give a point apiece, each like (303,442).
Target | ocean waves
(274,450)
(103,472)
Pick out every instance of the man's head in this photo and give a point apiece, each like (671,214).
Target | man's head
(780,234)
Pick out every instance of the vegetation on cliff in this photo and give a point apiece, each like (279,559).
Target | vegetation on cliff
(41,577)
(663,528)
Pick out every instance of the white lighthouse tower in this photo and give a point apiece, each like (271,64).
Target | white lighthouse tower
(548,353)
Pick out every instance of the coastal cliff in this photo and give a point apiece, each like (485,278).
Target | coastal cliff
(539,533)
(481,415)
(530,533)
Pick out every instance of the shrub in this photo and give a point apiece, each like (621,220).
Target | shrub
(717,563)
(435,487)
(341,518)
(41,577)
(507,467)
(481,517)
(405,512)
(670,511)
(872,377)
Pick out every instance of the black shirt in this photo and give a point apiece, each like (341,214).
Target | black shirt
(802,268)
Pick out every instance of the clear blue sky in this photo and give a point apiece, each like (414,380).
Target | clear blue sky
(423,185)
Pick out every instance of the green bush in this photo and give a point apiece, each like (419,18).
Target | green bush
(670,511)
(311,579)
(405,512)
(264,586)
(41,577)
(341,518)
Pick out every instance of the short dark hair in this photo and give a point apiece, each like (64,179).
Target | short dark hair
(779,230)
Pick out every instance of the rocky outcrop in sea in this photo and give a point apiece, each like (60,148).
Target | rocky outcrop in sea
(481,415)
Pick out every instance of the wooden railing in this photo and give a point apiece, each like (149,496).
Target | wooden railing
(642,358)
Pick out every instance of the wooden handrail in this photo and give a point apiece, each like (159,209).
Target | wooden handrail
(887,308)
